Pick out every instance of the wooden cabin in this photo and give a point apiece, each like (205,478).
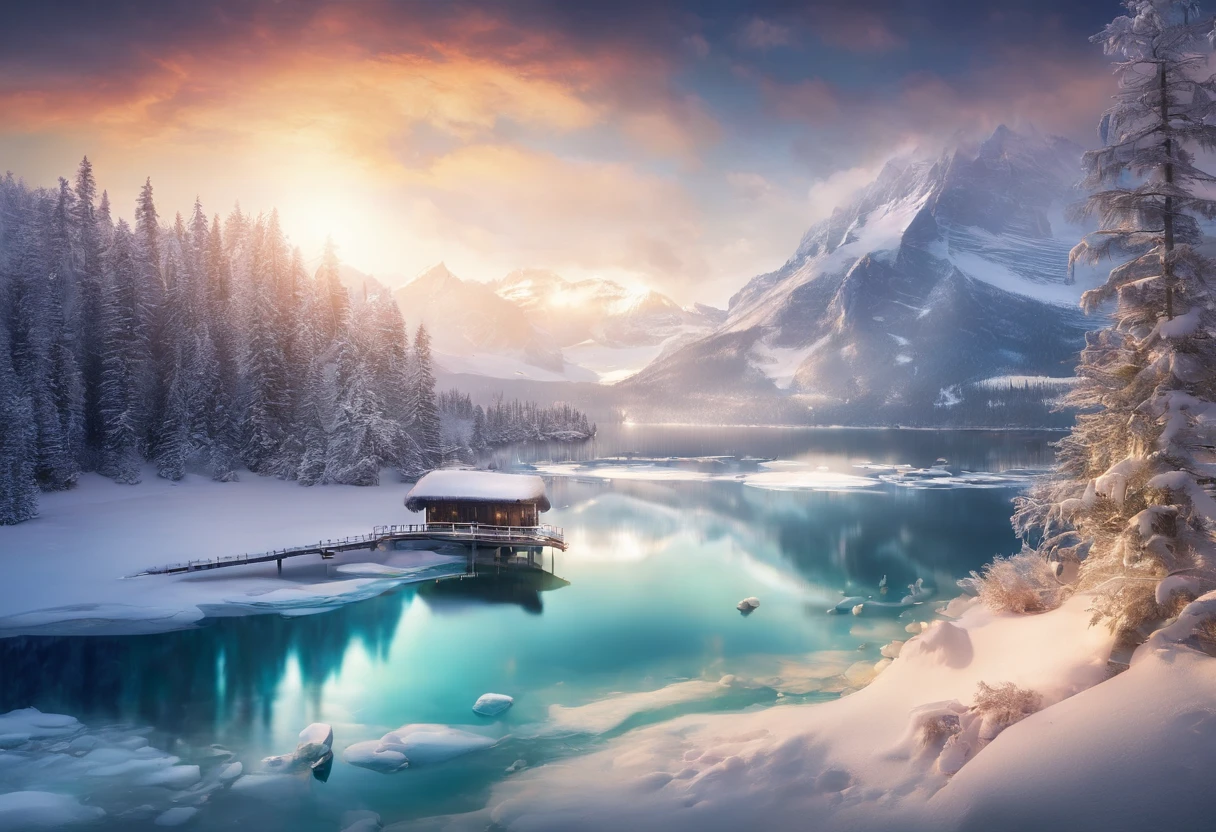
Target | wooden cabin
(486,497)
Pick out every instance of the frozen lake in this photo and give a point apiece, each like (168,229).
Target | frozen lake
(643,626)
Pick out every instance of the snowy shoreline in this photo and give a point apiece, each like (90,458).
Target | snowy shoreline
(68,566)
(1125,753)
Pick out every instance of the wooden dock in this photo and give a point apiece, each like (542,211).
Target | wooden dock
(474,535)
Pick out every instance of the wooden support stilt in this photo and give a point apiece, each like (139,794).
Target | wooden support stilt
(280,562)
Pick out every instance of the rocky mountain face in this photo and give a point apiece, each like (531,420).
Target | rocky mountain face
(910,304)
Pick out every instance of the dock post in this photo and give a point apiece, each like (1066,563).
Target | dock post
(472,556)
(280,562)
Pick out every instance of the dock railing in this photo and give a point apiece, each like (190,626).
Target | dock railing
(475,533)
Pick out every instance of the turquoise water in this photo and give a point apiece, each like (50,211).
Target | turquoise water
(644,598)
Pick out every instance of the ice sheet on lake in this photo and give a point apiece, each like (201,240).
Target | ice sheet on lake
(937,477)
(57,771)
(808,481)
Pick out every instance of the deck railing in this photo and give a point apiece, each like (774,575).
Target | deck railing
(480,530)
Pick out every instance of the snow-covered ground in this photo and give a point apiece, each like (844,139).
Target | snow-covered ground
(66,570)
(1130,753)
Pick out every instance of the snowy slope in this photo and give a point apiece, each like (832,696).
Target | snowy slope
(937,275)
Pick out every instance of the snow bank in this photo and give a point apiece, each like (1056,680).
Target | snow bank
(415,745)
(843,763)
(478,486)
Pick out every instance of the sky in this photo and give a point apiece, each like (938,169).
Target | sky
(680,145)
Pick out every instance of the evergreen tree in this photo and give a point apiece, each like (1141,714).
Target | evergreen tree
(175,446)
(314,454)
(126,361)
(88,319)
(364,437)
(223,432)
(335,305)
(18,485)
(1126,509)
(425,427)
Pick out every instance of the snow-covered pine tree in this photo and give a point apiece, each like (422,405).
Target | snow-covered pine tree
(1126,506)
(312,427)
(334,307)
(47,376)
(299,346)
(477,439)
(18,485)
(153,288)
(175,447)
(364,437)
(223,432)
(425,424)
(126,361)
(88,310)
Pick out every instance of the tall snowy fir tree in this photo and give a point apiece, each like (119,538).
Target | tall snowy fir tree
(18,485)
(126,361)
(88,309)
(1126,509)
(425,427)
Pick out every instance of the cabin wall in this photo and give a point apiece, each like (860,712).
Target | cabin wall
(490,514)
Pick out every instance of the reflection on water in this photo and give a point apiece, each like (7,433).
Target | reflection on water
(520,586)
(646,598)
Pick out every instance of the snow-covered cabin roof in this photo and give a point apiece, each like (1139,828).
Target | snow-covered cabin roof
(477,487)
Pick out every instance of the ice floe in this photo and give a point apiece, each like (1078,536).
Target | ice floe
(57,771)
(417,744)
(492,704)
(43,810)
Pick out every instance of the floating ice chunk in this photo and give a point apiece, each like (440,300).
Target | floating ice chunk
(492,704)
(315,742)
(230,772)
(43,810)
(377,756)
(518,765)
(415,745)
(891,651)
(21,726)
(847,604)
(748,604)
(857,610)
(176,816)
(172,777)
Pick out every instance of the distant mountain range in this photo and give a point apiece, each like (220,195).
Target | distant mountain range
(906,305)
(536,325)
(938,295)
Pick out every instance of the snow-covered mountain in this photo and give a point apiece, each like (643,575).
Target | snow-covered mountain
(534,324)
(937,276)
